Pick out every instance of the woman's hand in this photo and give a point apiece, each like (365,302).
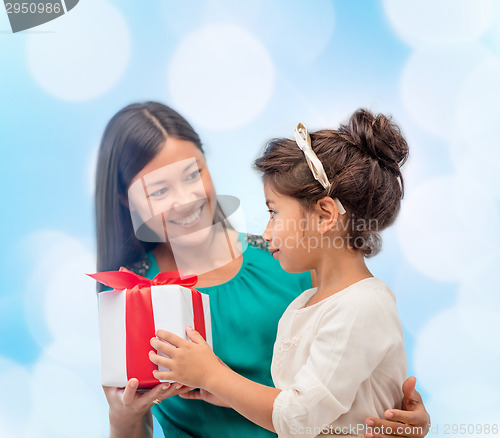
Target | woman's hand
(412,422)
(129,411)
(191,363)
(204,395)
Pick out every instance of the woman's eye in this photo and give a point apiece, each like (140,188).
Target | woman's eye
(193,175)
(272,213)
(159,193)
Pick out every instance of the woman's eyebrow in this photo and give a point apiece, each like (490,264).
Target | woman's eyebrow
(155,183)
(190,165)
(269,202)
(163,181)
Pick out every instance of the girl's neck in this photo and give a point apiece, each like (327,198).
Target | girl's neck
(337,270)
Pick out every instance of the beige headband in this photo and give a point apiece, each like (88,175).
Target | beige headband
(304,143)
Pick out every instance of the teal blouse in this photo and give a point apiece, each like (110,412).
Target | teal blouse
(245,313)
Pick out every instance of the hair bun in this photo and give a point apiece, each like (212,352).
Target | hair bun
(378,137)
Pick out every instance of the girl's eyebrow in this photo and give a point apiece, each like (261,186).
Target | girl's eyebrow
(269,202)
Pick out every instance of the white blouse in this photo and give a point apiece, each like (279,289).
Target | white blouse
(338,361)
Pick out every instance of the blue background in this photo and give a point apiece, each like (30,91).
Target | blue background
(243,72)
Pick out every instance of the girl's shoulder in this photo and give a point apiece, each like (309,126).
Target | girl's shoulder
(367,299)
(369,291)
(369,294)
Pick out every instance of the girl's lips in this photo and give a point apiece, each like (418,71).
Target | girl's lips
(274,252)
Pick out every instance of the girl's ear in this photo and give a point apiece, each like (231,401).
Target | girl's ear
(328,214)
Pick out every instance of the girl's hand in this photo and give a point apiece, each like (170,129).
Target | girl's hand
(204,395)
(414,421)
(191,363)
(130,410)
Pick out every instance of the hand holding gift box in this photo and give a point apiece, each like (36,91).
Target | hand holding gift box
(130,315)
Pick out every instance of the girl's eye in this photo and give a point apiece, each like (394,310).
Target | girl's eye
(193,175)
(159,193)
(272,213)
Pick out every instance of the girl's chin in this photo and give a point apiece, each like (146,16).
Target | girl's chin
(292,268)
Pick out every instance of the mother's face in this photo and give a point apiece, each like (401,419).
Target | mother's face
(173,195)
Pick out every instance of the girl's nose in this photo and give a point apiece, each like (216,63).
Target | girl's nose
(266,235)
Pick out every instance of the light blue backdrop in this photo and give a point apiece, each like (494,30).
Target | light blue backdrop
(243,72)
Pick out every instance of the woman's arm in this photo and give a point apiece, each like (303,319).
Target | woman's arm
(195,364)
(129,412)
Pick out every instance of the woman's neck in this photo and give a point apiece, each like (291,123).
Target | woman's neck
(214,261)
(164,257)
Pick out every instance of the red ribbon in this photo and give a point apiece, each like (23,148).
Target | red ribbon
(140,327)
(125,279)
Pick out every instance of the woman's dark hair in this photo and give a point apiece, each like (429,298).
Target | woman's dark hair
(362,161)
(130,141)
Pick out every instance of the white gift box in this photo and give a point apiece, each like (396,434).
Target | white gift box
(129,318)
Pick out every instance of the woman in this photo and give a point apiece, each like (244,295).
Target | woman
(157,210)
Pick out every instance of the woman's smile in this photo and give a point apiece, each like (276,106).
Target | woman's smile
(189,220)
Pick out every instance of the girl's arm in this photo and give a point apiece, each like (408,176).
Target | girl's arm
(195,364)
(250,399)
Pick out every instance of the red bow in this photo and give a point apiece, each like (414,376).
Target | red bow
(125,279)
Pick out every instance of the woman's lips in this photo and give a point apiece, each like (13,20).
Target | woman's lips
(274,252)
(189,220)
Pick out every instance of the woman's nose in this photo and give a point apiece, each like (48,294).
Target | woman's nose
(184,195)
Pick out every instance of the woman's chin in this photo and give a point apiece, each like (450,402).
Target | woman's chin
(190,238)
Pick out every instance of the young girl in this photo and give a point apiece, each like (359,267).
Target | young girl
(339,353)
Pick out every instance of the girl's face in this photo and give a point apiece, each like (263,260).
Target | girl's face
(174,194)
(289,231)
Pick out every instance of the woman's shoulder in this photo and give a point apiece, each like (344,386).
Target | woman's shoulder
(258,263)
(262,266)
(141,266)
(256,241)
